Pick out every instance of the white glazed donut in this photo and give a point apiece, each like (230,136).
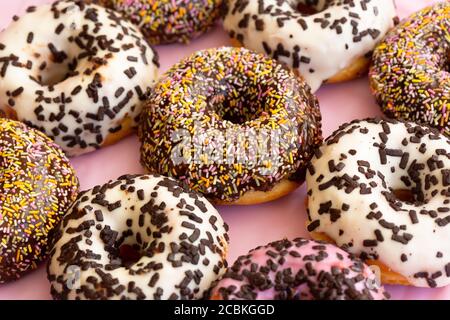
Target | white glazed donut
(175,238)
(317,46)
(76,72)
(352,184)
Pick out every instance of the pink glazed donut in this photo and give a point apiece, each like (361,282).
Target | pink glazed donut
(300,269)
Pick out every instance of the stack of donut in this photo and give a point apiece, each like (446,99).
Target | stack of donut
(229,126)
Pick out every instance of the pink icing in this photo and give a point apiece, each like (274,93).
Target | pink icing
(334,258)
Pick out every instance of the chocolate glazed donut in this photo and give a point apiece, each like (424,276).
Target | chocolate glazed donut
(168,21)
(232,124)
(37,187)
(410,74)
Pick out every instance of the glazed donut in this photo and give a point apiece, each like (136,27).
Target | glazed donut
(324,41)
(139,237)
(232,124)
(37,186)
(380,188)
(168,21)
(410,73)
(298,270)
(80,77)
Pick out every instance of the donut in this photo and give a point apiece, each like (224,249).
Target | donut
(168,21)
(324,41)
(37,186)
(232,124)
(300,269)
(138,237)
(410,73)
(381,189)
(80,77)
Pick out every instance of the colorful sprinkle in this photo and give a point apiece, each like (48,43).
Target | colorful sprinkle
(81,80)
(38,186)
(218,91)
(168,21)
(410,74)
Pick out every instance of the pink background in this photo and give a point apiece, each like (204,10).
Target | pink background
(249,226)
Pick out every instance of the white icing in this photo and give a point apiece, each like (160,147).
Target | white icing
(43,24)
(325,48)
(428,237)
(170,277)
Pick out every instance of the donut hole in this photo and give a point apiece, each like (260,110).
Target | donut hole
(404,195)
(306,10)
(58,61)
(309,7)
(241,109)
(239,117)
(53,74)
(129,254)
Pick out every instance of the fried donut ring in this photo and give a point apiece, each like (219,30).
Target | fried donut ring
(299,269)
(332,42)
(357,183)
(80,76)
(138,237)
(37,187)
(232,124)
(410,73)
(168,21)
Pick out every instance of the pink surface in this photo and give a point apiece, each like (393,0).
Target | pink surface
(249,226)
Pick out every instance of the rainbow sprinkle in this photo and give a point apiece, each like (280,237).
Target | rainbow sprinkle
(37,186)
(168,21)
(216,91)
(410,74)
